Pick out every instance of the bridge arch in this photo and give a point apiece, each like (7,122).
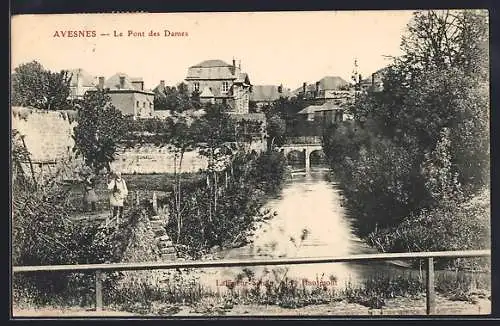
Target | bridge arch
(317,156)
(306,149)
(295,155)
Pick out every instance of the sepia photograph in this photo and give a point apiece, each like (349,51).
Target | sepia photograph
(243,164)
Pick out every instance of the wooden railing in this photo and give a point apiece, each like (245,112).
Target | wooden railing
(100,268)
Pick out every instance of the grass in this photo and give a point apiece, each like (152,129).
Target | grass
(145,184)
(271,288)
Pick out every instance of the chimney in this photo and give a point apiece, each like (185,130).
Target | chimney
(101,83)
(234,63)
(317,88)
(162,83)
(373,79)
(280,88)
(138,85)
(122,82)
(304,88)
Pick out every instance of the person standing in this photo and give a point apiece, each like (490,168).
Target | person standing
(118,193)
(90,197)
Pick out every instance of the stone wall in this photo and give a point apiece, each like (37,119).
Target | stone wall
(155,159)
(48,137)
(47,134)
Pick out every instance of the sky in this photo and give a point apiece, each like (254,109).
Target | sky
(274,48)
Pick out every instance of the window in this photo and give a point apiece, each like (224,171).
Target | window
(137,104)
(225,87)
(196,86)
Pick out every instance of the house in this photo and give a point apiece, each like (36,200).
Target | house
(328,89)
(262,95)
(307,91)
(375,82)
(219,82)
(81,81)
(128,95)
(325,113)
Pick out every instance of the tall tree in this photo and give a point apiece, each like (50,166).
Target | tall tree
(33,85)
(447,38)
(100,129)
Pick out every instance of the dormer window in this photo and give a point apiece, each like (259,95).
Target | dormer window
(225,87)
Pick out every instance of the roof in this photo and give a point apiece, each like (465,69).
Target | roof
(325,83)
(130,90)
(211,63)
(309,109)
(113,82)
(309,88)
(378,75)
(319,108)
(80,75)
(332,82)
(160,90)
(243,79)
(267,93)
(213,69)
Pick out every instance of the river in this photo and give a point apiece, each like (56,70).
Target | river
(313,203)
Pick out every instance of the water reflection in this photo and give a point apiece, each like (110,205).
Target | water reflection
(313,203)
(307,202)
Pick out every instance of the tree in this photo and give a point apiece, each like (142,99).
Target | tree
(32,85)
(424,139)
(447,38)
(276,128)
(213,132)
(182,139)
(100,128)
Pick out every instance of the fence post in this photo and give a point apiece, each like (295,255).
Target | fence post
(155,202)
(430,290)
(98,290)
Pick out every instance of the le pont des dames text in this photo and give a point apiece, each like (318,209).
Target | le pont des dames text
(118,33)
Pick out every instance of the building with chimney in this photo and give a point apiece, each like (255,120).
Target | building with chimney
(81,81)
(219,82)
(262,95)
(374,83)
(128,95)
(328,89)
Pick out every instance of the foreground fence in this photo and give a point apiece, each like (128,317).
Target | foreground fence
(100,268)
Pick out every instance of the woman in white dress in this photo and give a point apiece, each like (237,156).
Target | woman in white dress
(118,192)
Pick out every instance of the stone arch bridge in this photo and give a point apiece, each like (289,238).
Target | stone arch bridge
(307,149)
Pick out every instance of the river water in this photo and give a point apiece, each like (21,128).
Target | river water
(312,203)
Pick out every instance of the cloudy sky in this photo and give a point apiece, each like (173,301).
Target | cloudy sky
(274,48)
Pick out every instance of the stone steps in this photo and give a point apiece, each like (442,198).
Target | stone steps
(165,244)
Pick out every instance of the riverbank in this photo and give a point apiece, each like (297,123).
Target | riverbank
(397,306)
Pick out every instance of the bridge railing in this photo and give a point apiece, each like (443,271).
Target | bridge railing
(303,140)
(101,268)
